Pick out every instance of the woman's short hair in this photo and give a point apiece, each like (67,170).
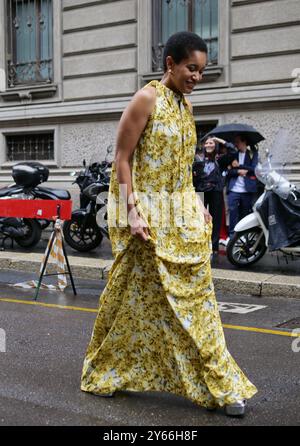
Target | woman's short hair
(180,45)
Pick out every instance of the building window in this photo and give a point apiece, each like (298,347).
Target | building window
(170,16)
(29,42)
(30,147)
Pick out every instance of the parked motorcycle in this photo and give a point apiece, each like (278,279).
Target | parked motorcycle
(274,223)
(28,176)
(82,232)
(90,174)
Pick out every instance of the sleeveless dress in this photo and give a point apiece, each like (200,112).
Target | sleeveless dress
(158,326)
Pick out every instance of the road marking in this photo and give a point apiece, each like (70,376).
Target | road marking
(40,304)
(237,308)
(95,310)
(262,330)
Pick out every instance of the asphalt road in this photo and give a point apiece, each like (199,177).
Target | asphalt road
(45,345)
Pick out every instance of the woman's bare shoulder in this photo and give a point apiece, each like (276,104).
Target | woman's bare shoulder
(145,98)
(147,94)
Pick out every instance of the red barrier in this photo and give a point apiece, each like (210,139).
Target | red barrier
(40,209)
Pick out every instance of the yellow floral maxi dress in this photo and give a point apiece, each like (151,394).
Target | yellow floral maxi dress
(158,326)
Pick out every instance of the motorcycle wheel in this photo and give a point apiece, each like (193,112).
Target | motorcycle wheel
(90,239)
(33,234)
(239,248)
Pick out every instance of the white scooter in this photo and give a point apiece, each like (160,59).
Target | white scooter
(274,223)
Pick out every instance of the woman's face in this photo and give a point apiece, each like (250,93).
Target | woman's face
(188,73)
(210,145)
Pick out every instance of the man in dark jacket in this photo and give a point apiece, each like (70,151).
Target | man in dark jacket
(242,183)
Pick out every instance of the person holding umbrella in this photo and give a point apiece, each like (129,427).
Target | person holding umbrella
(242,183)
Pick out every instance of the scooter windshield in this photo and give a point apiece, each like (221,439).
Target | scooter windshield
(262,171)
(273,170)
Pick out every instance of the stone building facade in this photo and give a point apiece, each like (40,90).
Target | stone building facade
(94,54)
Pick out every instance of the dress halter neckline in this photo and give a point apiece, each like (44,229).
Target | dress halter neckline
(178,96)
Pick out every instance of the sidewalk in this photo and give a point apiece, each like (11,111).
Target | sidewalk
(263,280)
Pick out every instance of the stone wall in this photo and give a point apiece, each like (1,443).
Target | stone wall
(86,140)
(265,41)
(99,48)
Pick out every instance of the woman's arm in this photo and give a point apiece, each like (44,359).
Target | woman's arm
(225,160)
(131,127)
(251,167)
(233,172)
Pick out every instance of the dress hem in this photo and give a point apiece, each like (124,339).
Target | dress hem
(212,404)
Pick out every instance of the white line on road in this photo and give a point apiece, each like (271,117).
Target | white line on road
(237,308)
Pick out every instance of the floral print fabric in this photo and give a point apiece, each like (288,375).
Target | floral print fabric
(158,326)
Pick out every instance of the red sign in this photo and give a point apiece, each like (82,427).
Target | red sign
(39,209)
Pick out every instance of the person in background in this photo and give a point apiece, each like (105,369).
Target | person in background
(198,154)
(242,183)
(208,171)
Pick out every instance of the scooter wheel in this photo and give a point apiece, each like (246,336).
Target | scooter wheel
(85,241)
(33,234)
(243,249)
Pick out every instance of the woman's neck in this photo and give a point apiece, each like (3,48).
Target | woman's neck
(169,84)
(210,156)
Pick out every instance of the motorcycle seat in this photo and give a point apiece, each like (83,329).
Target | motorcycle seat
(7,191)
(59,193)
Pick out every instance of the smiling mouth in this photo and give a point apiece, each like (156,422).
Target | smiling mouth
(190,84)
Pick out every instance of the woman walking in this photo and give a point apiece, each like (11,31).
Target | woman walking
(158,326)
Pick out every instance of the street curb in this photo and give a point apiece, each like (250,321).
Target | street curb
(95,269)
(274,286)
(225,281)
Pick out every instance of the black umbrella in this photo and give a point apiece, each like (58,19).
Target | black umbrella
(230,131)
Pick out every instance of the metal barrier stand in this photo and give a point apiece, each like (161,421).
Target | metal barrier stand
(69,272)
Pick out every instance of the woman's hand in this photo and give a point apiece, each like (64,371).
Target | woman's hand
(138,227)
(207,216)
(242,172)
(219,140)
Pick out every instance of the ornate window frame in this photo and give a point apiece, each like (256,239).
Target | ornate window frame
(28,93)
(215,76)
